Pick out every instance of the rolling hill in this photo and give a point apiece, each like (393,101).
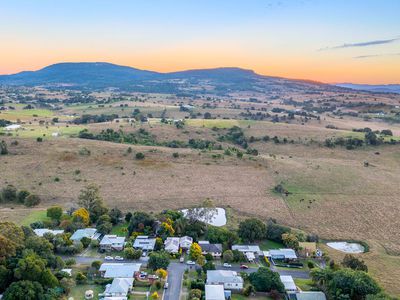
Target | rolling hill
(102,75)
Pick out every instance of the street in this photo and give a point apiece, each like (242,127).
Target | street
(175,274)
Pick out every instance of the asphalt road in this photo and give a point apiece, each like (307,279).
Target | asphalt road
(175,274)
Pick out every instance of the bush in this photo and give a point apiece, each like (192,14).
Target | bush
(85,242)
(22,194)
(96,264)
(247,291)
(9,194)
(32,200)
(39,139)
(139,155)
(158,285)
(175,155)
(310,264)
(80,278)
(70,262)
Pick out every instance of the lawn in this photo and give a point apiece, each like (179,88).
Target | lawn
(34,215)
(304,284)
(120,229)
(78,292)
(268,244)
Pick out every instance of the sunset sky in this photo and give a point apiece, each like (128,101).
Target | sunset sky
(331,41)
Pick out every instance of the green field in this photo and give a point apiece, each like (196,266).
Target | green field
(34,131)
(267,244)
(34,216)
(24,114)
(212,123)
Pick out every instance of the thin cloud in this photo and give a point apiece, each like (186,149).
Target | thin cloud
(376,55)
(361,44)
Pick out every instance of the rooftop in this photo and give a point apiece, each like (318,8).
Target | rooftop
(119,270)
(215,292)
(222,276)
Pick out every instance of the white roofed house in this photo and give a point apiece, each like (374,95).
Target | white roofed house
(215,292)
(90,233)
(119,270)
(42,231)
(171,244)
(144,243)
(289,284)
(112,242)
(120,287)
(185,242)
(250,251)
(281,254)
(229,279)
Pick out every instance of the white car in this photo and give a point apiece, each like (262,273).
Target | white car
(166,285)
(226,265)
(109,258)
(182,259)
(119,258)
(189,262)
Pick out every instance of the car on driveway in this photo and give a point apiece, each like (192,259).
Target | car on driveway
(182,260)
(191,263)
(166,285)
(119,258)
(109,258)
(244,267)
(226,265)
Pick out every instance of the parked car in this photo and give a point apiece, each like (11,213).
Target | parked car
(244,267)
(142,276)
(182,259)
(226,265)
(144,254)
(166,285)
(109,258)
(189,262)
(118,258)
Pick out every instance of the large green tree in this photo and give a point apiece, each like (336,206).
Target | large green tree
(158,260)
(91,199)
(265,280)
(24,290)
(252,229)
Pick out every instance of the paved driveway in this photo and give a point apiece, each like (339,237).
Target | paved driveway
(175,274)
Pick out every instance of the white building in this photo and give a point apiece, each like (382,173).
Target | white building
(112,242)
(120,287)
(85,232)
(42,231)
(289,284)
(119,270)
(144,243)
(171,244)
(185,242)
(229,279)
(215,292)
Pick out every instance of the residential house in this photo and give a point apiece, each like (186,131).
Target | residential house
(215,292)
(307,296)
(119,270)
(171,244)
(185,242)
(281,254)
(43,231)
(112,242)
(144,243)
(250,251)
(229,279)
(214,249)
(120,287)
(90,233)
(289,284)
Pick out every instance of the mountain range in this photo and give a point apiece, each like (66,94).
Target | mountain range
(382,88)
(102,75)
